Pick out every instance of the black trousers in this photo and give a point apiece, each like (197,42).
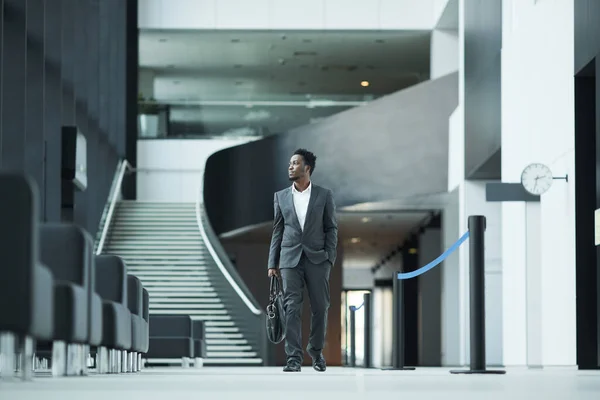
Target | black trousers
(316,279)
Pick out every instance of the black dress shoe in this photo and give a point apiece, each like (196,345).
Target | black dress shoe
(319,364)
(292,367)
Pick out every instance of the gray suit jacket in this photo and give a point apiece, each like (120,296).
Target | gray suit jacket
(320,236)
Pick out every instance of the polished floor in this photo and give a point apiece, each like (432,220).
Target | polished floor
(339,383)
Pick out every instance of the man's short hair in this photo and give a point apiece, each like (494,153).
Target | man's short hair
(309,158)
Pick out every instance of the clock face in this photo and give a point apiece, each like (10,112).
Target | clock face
(536,178)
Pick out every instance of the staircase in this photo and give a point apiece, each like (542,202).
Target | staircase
(162,245)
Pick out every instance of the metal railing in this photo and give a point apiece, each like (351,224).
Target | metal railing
(115,192)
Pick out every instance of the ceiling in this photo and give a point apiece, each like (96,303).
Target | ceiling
(212,78)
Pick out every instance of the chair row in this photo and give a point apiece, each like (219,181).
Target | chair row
(60,300)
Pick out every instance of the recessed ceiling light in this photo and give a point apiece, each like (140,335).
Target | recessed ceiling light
(364,83)
(355,240)
(366,219)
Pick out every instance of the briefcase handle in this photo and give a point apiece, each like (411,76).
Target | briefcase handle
(275,286)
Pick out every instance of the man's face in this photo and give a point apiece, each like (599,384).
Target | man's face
(297,169)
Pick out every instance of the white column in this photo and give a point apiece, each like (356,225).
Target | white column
(539,248)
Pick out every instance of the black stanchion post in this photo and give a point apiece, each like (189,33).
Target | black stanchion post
(368,329)
(477,297)
(352,337)
(398,325)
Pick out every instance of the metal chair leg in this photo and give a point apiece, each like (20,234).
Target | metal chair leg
(27,359)
(7,355)
(59,358)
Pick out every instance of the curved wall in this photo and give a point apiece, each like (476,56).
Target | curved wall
(394,147)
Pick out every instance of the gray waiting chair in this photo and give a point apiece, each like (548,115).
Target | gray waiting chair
(135,303)
(111,284)
(26,286)
(146,316)
(171,339)
(65,250)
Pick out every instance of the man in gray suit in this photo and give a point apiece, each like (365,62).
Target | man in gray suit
(303,250)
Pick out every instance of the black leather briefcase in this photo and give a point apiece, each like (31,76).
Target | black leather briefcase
(275,312)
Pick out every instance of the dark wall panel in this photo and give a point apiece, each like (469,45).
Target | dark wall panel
(483,44)
(53,74)
(14,71)
(52,114)
(393,148)
(34,119)
(67,61)
(81,80)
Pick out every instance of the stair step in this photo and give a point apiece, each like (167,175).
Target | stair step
(211,342)
(228,348)
(161,263)
(152,290)
(156,241)
(165,249)
(179,284)
(232,361)
(150,274)
(195,310)
(205,294)
(205,303)
(165,257)
(222,324)
(153,229)
(237,354)
(227,330)
(155,281)
(224,336)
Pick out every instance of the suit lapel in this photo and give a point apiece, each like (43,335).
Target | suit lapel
(290,197)
(311,203)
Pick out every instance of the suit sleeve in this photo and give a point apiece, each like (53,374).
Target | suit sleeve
(330,226)
(276,235)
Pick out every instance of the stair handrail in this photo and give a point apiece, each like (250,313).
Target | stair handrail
(116,191)
(247,301)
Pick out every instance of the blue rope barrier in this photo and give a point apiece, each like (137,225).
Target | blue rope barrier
(435,262)
(355,308)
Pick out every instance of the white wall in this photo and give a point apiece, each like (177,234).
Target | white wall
(174,168)
(444,52)
(289,14)
(538,126)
